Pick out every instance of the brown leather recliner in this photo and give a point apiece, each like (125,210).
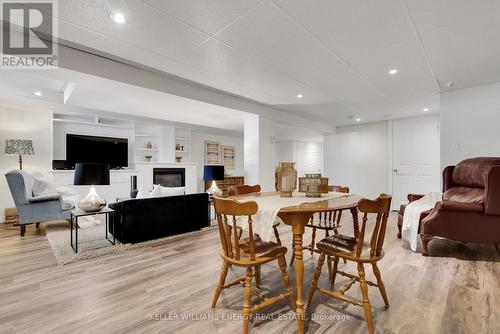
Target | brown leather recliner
(470,209)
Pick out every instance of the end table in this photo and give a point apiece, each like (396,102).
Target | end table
(76,213)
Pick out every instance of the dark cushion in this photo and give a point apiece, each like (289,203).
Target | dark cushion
(472,172)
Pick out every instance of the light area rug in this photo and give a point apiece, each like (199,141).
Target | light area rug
(92,242)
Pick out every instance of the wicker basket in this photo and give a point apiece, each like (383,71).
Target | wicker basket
(11,216)
(313,185)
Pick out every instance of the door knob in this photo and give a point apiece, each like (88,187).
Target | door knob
(395,170)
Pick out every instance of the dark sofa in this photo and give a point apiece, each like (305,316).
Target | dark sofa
(139,220)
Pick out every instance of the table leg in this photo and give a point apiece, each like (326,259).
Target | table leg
(71,229)
(76,234)
(355,221)
(299,280)
(114,231)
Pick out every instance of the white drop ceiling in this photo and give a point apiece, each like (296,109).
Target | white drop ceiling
(337,53)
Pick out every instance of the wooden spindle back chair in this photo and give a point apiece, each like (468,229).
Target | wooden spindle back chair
(359,251)
(250,253)
(326,221)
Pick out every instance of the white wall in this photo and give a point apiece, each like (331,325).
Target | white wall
(21,124)
(260,151)
(267,148)
(308,156)
(358,157)
(470,123)
(198,153)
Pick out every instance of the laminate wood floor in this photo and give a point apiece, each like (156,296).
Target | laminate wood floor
(167,288)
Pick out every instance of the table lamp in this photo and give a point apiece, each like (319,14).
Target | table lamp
(19,147)
(90,174)
(213,173)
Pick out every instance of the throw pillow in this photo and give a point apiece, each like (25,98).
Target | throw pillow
(156,191)
(142,193)
(173,191)
(42,187)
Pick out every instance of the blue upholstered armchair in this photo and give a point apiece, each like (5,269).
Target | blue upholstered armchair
(35,209)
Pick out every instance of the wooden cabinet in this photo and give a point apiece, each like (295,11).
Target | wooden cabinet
(227,183)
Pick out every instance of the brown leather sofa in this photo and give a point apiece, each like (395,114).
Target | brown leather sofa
(470,209)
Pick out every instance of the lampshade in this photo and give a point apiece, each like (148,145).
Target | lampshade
(211,173)
(19,146)
(87,174)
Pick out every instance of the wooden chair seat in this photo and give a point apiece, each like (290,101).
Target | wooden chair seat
(264,252)
(345,248)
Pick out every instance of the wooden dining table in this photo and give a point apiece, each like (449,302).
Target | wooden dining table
(298,216)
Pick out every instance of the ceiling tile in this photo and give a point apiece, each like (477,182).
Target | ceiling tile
(226,62)
(207,15)
(331,113)
(141,29)
(430,15)
(466,53)
(413,79)
(351,27)
(268,35)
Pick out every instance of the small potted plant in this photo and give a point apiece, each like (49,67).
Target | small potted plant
(148,158)
(178,159)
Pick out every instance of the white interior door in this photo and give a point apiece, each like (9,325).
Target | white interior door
(415,157)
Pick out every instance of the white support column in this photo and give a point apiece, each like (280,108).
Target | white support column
(260,151)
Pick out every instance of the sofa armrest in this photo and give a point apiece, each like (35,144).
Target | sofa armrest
(414,197)
(458,206)
(492,192)
(44,198)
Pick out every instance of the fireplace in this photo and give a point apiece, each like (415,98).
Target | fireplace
(169,177)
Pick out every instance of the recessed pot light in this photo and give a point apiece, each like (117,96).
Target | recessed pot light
(425,110)
(38,93)
(393,71)
(299,96)
(118,18)
(358,119)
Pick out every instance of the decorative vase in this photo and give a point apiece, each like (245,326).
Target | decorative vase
(313,185)
(177,147)
(149,145)
(286,178)
(92,202)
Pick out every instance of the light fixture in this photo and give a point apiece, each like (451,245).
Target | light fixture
(425,110)
(393,71)
(358,119)
(118,18)
(299,96)
(38,93)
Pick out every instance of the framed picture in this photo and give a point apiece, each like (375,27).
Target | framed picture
(212,153)
(229,157)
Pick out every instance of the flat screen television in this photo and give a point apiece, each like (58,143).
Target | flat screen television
(92,149)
